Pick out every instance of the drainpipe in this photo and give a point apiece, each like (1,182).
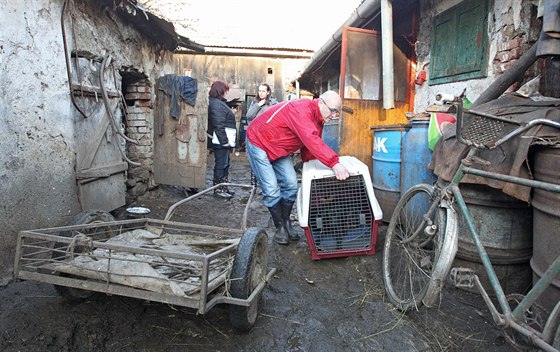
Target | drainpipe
(387,54)
(362,14)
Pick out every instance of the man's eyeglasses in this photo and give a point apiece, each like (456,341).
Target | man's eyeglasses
(333,111)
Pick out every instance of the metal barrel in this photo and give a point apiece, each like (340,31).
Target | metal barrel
(386,175)
(416,156)
(546,222)
(504,227)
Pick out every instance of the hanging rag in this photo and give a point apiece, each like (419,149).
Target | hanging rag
(179,87)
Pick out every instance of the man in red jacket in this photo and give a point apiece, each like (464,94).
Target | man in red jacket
(271,139)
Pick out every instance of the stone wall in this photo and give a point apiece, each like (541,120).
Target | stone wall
(37,119)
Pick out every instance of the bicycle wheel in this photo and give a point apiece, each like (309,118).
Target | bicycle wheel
(412,244)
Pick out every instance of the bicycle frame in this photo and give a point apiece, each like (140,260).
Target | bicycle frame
(507,318)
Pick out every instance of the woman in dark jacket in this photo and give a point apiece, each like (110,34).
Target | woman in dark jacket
(220,117)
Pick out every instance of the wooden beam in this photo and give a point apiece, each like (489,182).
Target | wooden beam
(102,171)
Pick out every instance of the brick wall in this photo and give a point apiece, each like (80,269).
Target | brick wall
(139,126)
(508,52)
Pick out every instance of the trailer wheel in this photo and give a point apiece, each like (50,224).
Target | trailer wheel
(248,271)
(60,250)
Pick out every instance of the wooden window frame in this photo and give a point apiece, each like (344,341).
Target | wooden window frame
(452,57)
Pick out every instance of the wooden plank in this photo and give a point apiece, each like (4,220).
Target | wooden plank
(102,171)
(86,159)
(106,193)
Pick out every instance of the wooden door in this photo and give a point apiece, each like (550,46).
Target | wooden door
(180,143)
(100,168)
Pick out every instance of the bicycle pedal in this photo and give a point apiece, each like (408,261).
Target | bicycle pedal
(462,277)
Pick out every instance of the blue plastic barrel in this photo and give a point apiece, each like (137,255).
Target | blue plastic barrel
(331,134)
(416,156)
(386,175)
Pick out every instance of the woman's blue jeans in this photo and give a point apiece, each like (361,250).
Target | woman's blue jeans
(278,179)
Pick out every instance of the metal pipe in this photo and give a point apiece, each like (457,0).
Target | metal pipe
(513,179)
(114,127)
(538,289)
(485,259)
(387,54)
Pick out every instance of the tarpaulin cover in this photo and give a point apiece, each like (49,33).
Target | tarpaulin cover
(511,158)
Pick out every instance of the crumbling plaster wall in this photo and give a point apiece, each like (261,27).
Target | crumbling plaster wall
(511,31)
(37,143)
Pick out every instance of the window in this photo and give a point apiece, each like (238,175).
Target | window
(459,43)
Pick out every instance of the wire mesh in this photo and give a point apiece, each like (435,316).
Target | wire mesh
(340,214)
(484,131)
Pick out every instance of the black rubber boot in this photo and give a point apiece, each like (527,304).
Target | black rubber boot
(281,234)
(219,192)
(286,211)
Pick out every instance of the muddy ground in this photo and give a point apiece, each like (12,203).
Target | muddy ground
(325,305)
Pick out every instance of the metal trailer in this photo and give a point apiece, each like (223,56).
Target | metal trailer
(183,264)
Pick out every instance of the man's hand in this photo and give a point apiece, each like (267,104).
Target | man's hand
(340,172)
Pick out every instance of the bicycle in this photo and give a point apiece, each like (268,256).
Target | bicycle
(422,240)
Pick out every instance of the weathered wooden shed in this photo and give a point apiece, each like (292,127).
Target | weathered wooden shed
(244,68)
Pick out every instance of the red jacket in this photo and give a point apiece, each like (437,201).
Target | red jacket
(297,125)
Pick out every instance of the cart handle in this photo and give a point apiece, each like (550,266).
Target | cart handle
(173,207)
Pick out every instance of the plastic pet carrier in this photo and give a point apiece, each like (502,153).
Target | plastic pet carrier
(340,218)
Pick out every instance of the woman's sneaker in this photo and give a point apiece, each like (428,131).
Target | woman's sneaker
(222,193)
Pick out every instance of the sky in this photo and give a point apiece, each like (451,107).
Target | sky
(301,24)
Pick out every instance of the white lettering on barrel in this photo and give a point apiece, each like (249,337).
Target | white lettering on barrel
(379,144)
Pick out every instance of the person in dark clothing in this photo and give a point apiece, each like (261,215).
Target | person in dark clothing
(220,119)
